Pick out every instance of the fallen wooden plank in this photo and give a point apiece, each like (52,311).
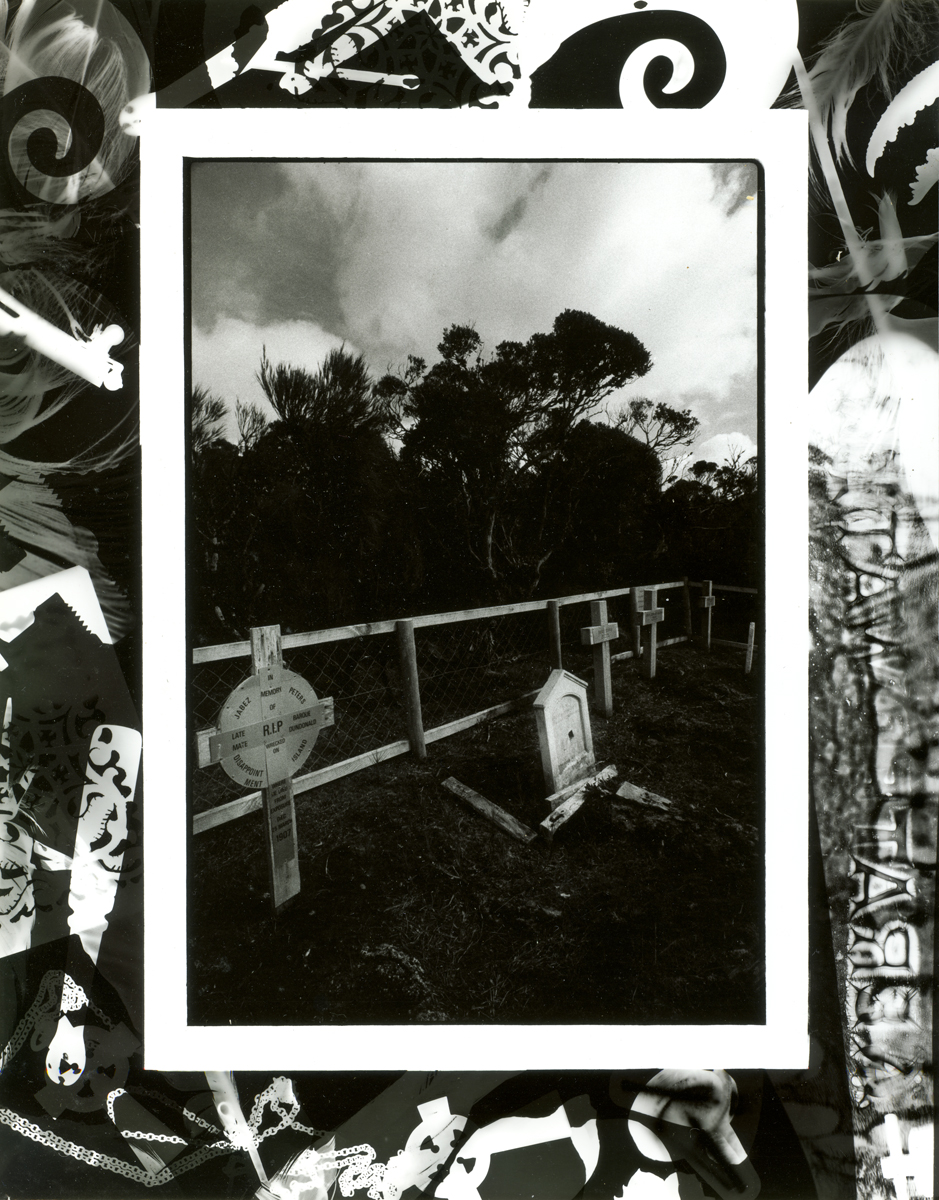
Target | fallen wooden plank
(506,822)
(574,802)
(629,791)
(606,772)
(563,813)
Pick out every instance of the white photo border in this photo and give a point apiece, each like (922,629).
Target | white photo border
(778,140)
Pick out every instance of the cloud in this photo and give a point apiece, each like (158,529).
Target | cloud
(722,447)
(734,184)
(225,360)
(256,254)
(386,255)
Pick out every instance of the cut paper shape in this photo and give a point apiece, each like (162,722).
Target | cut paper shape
(921,91)
(86,357)
(18,605)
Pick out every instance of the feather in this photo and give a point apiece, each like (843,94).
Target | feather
(885,259)
(874,47)
(844,316)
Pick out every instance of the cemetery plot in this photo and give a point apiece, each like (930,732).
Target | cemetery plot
(401,685)
(415,907)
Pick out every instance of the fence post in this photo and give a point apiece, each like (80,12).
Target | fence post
(706,603)
(634,622)
(554,634)
(265,648)
(750,639)
(686,595)
(412,689)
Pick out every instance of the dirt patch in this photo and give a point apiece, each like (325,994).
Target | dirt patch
(416,908)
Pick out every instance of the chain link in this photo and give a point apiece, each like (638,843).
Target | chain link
(174,1104)
(280,1089)
(106,1161)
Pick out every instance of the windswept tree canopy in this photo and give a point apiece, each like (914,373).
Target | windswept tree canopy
(710,521)
(660,426)
(482,477)
(207,417)
(523,392)
(487,434)
(299,525)
(335,399)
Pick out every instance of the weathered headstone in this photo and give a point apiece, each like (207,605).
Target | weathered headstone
(599,635)
(266,730)
(564,732)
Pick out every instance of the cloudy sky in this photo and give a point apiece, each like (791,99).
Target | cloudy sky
(301,257)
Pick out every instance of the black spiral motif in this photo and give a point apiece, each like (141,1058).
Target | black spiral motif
(85,119)
(585,71)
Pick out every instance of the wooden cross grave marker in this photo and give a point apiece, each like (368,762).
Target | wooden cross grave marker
(266,730)
(599,635)
(706,604)
(647,618)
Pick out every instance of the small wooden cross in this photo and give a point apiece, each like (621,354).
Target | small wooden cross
(599,635)
(275,716)
(647,618)
(706,603)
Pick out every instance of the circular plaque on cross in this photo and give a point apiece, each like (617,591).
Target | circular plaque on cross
(267,727)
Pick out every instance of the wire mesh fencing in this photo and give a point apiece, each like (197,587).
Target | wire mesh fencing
(210,685)
(363,676)
(468,666)
(733,612)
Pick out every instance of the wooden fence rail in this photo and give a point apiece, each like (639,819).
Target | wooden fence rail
(417,736)
(293,641)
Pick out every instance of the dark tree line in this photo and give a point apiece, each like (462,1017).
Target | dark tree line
(479,479)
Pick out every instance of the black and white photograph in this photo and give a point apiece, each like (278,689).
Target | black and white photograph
(474,481)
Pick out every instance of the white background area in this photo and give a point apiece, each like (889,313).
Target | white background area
(778,140)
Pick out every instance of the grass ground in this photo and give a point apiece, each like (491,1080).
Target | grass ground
(415,908)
